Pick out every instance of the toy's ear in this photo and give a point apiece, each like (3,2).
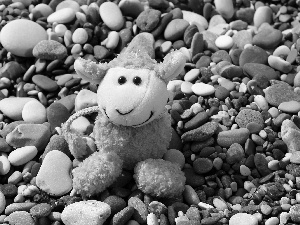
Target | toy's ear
(90,71)
(172,66)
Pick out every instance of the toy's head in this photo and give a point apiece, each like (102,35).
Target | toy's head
(133,87)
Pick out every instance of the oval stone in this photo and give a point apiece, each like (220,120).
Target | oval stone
(64,15)
(34,112)
(175,29)
(22,155)
(225,8)
(290,107)
(262,15)
(227,138)
(45,83)
(195,18)
(224,42)
(243,218)
(203,89)
(111,15)
(279,64)
(20,36)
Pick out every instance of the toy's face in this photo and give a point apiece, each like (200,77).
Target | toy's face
(132,97)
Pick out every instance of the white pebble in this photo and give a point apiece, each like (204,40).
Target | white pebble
(261,102)
(34,112)
(22,155)
(224,42)
(112,40)
(4,165)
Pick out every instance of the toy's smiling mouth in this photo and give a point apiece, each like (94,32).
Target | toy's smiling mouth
(136,125)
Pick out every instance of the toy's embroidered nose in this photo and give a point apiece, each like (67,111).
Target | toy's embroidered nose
(123,114)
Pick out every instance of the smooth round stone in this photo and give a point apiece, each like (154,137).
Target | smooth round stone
(2,202)
(253,54)
(131,8)
(20,36)
(54,174)
(282,50)
(60,29)
(191,75)
(4,165)
(225,8)
(228,84)
(41,10)
(242,38)
(80,36)
(13,107)
(45,83)
(242,219)
(257,69)
(64,15)
(26,3)
(261,102)
(267,37)
(203,89)
(245,171)
(175,29)
(279,64)
(22,155)
(221,93)
(262,15)
(112,40)
(17,216)
(186,87)
(224,42)
(192,17)
(68,4)
(229,137)
(290,107)
(49,50)
(84,99)
(254,128)
(90,212)
(148,20)
(272,221)
(34,112)
(111,15)
(175,156)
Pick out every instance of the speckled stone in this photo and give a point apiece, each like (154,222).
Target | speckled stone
(227,138)
(148,20)
(49,50)
(20,217)
(246,116)
(202,133)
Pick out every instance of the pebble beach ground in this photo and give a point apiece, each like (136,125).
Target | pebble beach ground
(235,111)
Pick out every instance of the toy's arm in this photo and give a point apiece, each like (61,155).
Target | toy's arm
(172,65)
(77,144)
(89,70)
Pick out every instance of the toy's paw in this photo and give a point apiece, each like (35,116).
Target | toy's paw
(96,173)
(160,178)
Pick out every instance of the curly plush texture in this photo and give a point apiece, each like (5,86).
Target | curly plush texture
(133,144)
(160,178)
(96,173)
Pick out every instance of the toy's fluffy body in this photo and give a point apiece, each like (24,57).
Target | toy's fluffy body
(148,141)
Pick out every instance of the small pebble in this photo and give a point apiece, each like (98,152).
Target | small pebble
(111,15)
(203,89)
(22,155)
(64,15)
(34,112)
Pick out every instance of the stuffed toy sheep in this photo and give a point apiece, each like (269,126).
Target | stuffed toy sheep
(133,128)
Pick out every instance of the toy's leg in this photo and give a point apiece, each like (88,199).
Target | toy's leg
(96,173)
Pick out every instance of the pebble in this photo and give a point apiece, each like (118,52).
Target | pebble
(80,125)
(80,36)
(84,99)
(45,83)
(68,4)
(91,212)
(272,221)
(54,174)
(253,54)
(21,45)
(243,218)
(112,40)
(227,138)
(242,38)
(175,29)
(201,133)
(254,69)
(262,15)
(175,156)
(235,153)
(4,165)
(246,116)
(224,42)
(290,107)
(37,135)
(225,8)
(202,165)
(111,15)
(267,37)
(279,64)
(41,210)
(34,112)
(192,17)
(131,8)
(41,10)
(22,155)
(49,50)
(64,15)
(13,107)
(16,217)
(57,114)
(148,20)
(203,89)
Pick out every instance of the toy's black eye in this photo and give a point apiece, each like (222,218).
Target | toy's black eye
(122,80)
(137,80)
